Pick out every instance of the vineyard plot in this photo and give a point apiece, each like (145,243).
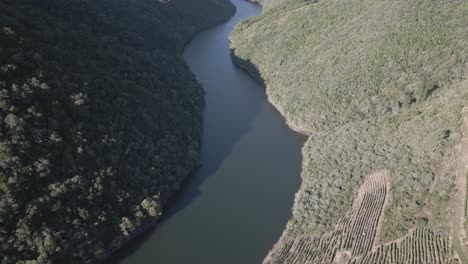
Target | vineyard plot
(355,238)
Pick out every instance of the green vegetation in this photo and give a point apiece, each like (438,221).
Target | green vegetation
(458,247)
(100,121)
(377,85)
(355,238)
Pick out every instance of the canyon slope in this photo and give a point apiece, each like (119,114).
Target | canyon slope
(100,121)
(380,87)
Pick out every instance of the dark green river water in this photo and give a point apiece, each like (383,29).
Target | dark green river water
(236,206)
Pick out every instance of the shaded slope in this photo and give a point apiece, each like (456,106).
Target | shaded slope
(101,121)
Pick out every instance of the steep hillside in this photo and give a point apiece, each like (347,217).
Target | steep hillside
(267,4)
(377,85)
(100,121)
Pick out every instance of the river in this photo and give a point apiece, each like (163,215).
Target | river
(235,207)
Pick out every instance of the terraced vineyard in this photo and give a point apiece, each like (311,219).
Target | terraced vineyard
(420,246)
(355,238)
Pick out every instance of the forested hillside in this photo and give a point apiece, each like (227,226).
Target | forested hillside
(378,86)
(100,121)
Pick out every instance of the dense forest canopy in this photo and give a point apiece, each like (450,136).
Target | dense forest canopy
(100,121)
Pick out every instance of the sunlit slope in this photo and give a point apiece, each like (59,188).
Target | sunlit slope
(333,62)
(378,85)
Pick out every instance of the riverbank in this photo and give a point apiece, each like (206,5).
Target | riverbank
(122,241)
(250,167)
(254,73)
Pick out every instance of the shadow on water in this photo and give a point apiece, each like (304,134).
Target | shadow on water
(210,68)
(236,108)
(236,205)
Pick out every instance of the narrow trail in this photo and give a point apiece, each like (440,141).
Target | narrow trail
(460,204)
